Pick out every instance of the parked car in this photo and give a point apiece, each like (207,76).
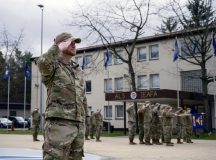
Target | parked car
(19,122)
(5,123)
(28,120)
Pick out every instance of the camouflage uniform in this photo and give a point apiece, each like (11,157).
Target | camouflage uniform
(131,123)
(179,125)
(188,127)
(140,124)
(35,124)
(147,123)
(87,120)
(167,125)
(65,112)
(156,125)
(92,124)
(99,125)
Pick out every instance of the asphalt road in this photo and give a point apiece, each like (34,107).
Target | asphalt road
(117,148)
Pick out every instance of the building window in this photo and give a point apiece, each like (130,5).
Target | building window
(107,112)
(79,60)
(188,49)
(119,112)
(154,52)
(109,63)
(88,86)
(142,82)
(118,84)
(88,61)
(190,81)
(141,54)
(154,81)
(108,85)
(117,60)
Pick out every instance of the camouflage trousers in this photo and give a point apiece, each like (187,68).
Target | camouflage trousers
(167,131)
(155,132)
(92,130)
(179,130)
(87,129)
(187,133)
(147,132)
(63,140)
(132,129)
(98,132)
(141,132)
(35,129)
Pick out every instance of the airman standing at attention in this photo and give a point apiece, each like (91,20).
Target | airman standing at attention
(167,125)
(156,124)
(92,125)
(35,123)
(65,110)
(147,113)
(131,123)
(140,124)
(188,125)
(179,124)
(98,124)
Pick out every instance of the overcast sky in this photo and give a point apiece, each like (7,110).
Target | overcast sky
(25,14)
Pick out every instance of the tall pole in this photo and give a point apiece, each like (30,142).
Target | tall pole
(24,114)
(41,87)
(8,104)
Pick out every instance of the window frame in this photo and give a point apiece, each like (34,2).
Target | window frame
(150,52)
(109,107)
(105,85)
(151,81)
(86,86)
(138,54)
(119,78)
(116,116)
(138,82)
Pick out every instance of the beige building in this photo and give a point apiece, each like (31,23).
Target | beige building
(154,70)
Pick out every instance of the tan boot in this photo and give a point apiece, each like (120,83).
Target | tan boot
(131,142)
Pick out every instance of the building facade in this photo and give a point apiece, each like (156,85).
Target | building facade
(154,69)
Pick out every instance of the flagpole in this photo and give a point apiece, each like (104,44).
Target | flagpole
(177,81)
(8,104)
(24,114)
(108,103)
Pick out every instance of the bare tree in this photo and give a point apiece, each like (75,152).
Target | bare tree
(9,44)
(113,25)
(169,25)
(197,22)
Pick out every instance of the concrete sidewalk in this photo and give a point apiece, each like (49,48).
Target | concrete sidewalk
(117,148)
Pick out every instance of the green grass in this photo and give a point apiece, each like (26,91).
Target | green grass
(204,136)
(113,134)
(4,131)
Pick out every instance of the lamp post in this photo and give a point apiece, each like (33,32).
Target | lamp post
(41,87)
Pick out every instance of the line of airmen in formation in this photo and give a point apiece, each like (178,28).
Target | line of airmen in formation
(155,122)
(94,125)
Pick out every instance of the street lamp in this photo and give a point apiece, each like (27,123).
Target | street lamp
(41,88)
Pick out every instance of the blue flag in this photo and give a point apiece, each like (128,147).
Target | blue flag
(7,72)
(106,60)
(198,121)
(176,51)
(27,71)
(214,44)
(83,62)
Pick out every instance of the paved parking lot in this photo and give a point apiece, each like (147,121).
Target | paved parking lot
(117,148)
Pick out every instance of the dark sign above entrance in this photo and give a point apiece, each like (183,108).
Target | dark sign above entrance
(148,94)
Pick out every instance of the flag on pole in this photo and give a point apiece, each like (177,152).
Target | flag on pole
(7,72)
(83,62)
(176,51)
(214,44)
(27,71)
(106,60)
